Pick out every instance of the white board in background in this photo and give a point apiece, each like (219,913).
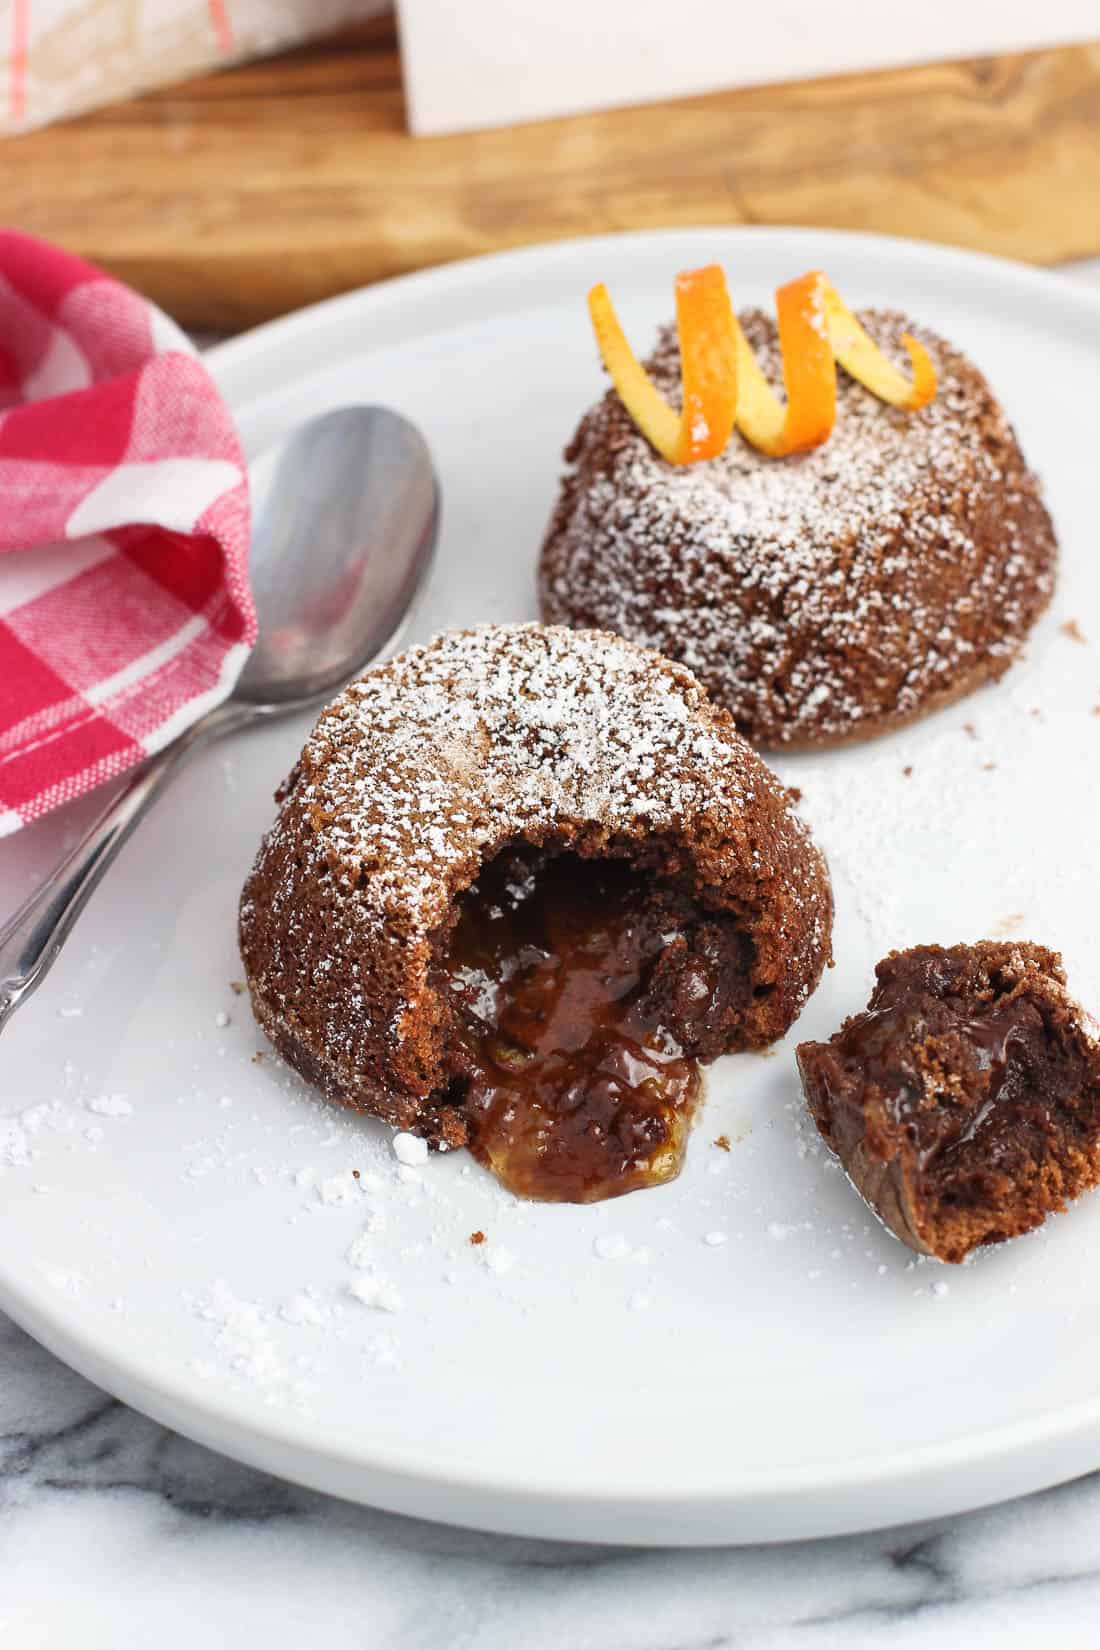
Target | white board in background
(478,63)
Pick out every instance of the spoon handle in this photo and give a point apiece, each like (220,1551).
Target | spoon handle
(31,941)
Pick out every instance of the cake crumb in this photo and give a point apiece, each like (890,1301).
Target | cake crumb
(1073,630)
(722,1142)
(908,771)
(935,1038)
(236,987)
(968,727)
(477,1237)
(258,1057)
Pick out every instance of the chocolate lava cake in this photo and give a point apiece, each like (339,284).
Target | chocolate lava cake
(531,873)
(824,597)
(965,1102)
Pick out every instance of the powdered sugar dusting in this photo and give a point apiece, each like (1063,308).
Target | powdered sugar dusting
(17,1148)
(376,1292)
(492,733)
(110,1105)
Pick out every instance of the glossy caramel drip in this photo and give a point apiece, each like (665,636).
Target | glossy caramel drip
(573,1088)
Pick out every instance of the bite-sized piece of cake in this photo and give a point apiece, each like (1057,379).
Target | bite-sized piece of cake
(537,866)
(965,1102)
(823,597)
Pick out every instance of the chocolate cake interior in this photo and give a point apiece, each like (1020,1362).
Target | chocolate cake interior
(969,1091)
(584,992)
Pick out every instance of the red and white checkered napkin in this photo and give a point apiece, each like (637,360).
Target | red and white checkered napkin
(125,611)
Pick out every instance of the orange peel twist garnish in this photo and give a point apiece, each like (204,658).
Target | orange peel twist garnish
(722,384)
(861,357)
(708,364)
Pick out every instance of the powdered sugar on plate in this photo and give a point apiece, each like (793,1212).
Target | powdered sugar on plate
(110,1105)
(18,1133)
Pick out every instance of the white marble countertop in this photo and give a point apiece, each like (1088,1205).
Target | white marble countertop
(115,1534)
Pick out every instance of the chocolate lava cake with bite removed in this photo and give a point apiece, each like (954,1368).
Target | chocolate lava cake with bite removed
(823,597)
(523,879)
(965,1102)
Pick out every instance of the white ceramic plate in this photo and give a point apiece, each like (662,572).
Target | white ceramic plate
(175,1220)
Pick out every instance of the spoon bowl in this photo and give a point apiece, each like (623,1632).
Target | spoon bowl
(345,520)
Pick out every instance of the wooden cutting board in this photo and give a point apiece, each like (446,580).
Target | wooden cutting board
(247,193)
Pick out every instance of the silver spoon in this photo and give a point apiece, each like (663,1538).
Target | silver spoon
(345,518)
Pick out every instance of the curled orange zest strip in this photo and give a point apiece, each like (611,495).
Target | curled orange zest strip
(708,365)
(708,362)
(723,385)
(808,372)
(860,356)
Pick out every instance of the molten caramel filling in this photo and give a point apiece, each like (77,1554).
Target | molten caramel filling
(574,1087)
